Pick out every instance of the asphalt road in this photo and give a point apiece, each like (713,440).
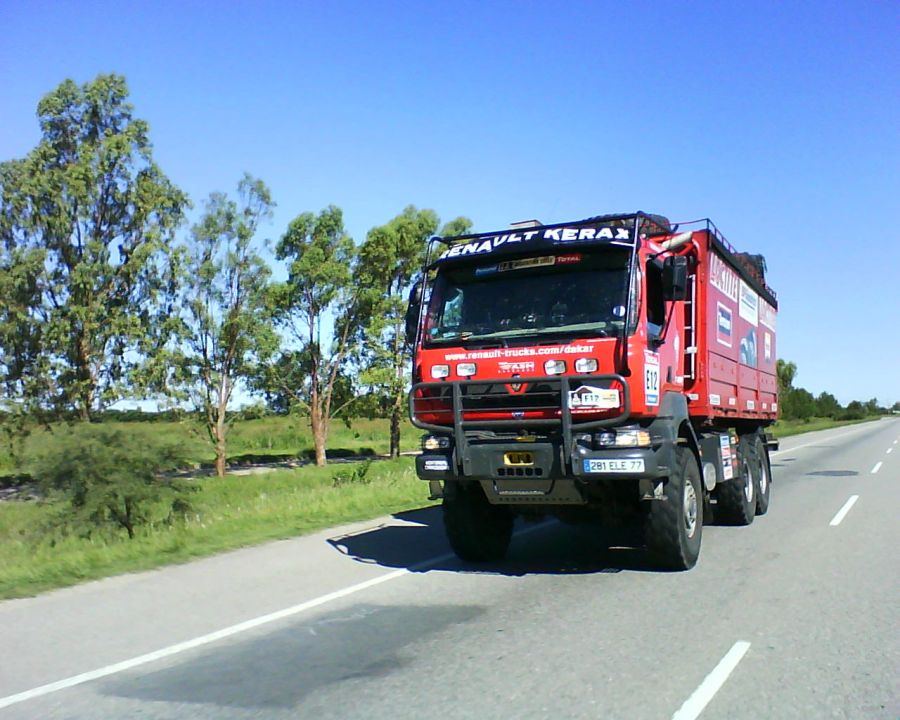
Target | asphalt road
(792,617)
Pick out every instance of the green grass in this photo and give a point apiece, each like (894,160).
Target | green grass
(265,439)
(785,428)
(228,513)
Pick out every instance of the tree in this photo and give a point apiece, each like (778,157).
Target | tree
(86,223)
(827,405)
(457,226)
(786,371)
(390,259)
(226,328)
(321,259)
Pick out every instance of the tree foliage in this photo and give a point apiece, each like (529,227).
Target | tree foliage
(86,223)
(225,329)
(109,479)
(321,258)
(390,259)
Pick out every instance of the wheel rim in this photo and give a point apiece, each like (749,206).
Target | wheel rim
(748,483)
(690,509)
(763,478)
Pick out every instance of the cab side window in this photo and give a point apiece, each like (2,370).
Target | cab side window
(656,306)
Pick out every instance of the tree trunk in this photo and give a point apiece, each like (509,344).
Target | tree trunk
(319,431)
(396,415)
(220,445)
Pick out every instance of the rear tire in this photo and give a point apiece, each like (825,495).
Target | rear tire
(763,476)
(477,530)
(674,526)
(736,498)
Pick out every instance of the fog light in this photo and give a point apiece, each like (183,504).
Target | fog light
(586,365)
(435,442)
(554,367)
(465,369)
(440,371)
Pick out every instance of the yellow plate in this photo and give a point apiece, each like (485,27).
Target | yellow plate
(518,458)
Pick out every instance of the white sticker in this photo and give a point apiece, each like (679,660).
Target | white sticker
(727,472)
(751,404)
(594,398)
(748,307)
(437,465)
(715,400)
(732,401)
(651,378)
(774,407)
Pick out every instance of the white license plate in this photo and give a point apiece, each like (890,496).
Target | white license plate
(614,466)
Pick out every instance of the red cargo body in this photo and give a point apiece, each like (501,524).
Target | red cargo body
(734,373)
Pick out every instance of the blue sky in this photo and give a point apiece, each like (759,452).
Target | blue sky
(779,120)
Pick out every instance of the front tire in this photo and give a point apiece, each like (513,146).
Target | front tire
(675,525)
(477,530)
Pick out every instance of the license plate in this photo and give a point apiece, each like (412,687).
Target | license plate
(614,466)
(518,458)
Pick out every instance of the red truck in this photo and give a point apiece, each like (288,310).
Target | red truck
(615,369)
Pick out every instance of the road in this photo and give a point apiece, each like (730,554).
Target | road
(792,617)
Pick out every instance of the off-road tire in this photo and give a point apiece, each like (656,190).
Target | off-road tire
(736,498)
(672,535)
(763,476)
(477,530)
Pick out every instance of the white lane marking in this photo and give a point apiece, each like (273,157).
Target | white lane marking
(876,468)
(855,431)
(889,451)
(700,698)
(836,520)
(231,630)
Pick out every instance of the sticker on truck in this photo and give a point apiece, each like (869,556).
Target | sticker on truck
(594,398)
(651,378)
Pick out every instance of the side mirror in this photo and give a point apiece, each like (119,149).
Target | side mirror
(412,312)
(675,277)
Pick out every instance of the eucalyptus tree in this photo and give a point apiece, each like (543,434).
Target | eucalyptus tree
(317,310)
(226,329)
(87,221)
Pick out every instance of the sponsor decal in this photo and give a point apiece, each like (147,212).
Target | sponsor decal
(519,352)
(767,315)
(748,307)
(651,377)
(748,355)
(532,262)
(569,259)
(723,277)
(515,367)
(594,398)
(485,270)
(437,465)
(724,324)
(767,347)
(487,244)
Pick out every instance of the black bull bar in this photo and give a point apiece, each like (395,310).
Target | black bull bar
(464,398)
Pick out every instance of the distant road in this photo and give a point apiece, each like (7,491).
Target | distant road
(792,617)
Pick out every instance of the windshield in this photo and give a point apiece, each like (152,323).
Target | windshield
(577,293)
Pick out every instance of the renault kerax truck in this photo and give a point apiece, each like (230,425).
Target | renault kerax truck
(615,370)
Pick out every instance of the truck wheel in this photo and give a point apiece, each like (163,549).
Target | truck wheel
(737,497)
(477,530)
(763,476)
(675,525)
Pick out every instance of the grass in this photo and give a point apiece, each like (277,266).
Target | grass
(785,428)
(228,513)
(263,440)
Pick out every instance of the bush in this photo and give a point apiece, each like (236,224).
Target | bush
(355,476)
(107,478)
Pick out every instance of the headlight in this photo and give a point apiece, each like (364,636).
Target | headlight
(622,438)
(586,365)
(465,369)
(440,371)
(554,367)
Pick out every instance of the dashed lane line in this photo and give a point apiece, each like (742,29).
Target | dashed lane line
(842,513)
(877,467)
(700,698)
